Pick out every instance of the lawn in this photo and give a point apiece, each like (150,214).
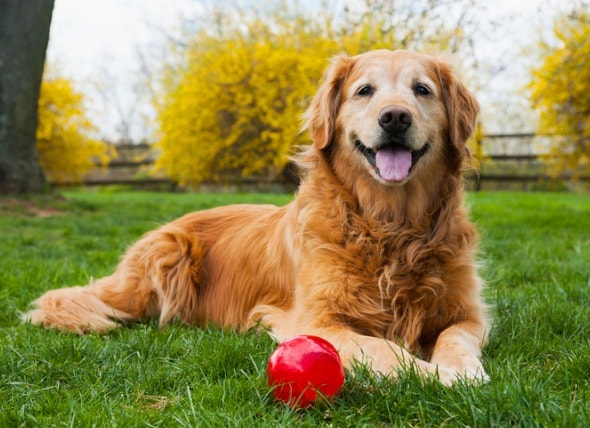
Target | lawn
(535,258)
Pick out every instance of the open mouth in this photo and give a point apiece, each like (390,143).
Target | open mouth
(392,163)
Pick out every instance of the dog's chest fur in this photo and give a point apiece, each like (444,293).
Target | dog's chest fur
(400,276)
(395,275)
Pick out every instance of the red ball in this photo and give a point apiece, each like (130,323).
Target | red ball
(303,368)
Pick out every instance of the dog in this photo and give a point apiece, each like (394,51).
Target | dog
(376,252)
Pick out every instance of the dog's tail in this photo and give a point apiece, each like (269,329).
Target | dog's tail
(158,277)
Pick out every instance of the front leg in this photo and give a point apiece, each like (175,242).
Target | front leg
(459,347)
(380,355)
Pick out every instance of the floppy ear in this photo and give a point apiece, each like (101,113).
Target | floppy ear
(320,117)
(462,108)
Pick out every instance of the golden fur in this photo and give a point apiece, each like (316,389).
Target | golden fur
(384,269)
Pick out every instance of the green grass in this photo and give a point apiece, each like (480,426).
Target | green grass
(536,260)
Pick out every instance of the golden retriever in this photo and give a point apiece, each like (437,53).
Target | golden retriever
(376,253)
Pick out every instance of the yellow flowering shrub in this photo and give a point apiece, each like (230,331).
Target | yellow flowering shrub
(560,92)
(232,106)
(65,149)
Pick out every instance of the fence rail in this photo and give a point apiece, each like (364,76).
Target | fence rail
(509,162)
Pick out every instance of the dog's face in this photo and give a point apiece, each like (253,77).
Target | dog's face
(393,112)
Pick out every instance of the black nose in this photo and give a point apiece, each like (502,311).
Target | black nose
(395,119)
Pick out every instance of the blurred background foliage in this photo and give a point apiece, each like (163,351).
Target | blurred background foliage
(560,92)
(65,143)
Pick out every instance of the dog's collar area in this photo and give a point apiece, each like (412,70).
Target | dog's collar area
(371,155)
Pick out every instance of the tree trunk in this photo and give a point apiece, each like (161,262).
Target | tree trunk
(24,33)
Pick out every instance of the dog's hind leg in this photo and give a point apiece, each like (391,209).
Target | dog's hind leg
(78,309)
(158,277)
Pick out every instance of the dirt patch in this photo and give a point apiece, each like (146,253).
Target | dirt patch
(41,207)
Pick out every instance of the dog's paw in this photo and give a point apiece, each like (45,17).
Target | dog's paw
(447,376)
(472,373)
(475,374)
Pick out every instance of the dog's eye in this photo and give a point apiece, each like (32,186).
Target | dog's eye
(422,90)
(365,91)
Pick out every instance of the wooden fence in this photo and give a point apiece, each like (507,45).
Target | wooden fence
(133,165)
(506,162)
(519,161)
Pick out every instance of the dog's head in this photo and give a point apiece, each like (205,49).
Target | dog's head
(391,111)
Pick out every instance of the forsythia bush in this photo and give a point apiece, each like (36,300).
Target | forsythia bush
(65,150)
(233,105)
(560,91)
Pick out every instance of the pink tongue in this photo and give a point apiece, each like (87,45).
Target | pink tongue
(394,164)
